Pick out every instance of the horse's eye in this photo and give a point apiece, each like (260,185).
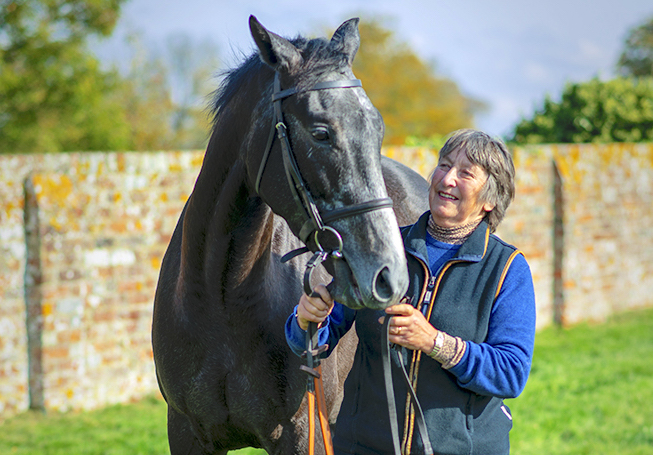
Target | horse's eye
(320,134)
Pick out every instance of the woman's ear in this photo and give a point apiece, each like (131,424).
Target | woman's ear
(488,207)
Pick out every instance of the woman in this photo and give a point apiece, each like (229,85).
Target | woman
(466,325)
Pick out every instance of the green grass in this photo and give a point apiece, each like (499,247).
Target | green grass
(131,429)
(137,428)
(590,392)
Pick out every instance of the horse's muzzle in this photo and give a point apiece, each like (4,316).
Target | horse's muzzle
(384,288)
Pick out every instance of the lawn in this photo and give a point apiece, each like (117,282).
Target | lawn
(590,392)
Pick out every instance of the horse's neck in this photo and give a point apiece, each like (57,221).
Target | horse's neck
(219,212)
(228,230)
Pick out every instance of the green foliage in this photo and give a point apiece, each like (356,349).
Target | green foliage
(191,66)
(156,120)
(637,56)
(53,94)
(435,142)
(147,104)
(618,110)
(412,98)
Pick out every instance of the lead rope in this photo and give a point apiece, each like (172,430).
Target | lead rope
(315,391)
(313,353)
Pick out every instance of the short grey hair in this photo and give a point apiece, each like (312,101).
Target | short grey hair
(493,156)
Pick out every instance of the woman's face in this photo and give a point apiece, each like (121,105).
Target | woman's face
(454,193)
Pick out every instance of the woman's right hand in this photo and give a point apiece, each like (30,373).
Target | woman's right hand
(314,309)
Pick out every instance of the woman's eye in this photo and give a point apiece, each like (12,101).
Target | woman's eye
(321,134)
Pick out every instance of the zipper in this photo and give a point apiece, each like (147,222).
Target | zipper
(430,287)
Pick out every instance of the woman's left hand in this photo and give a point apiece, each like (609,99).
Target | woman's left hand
(409,328)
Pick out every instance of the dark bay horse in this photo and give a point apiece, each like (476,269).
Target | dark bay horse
(223,295)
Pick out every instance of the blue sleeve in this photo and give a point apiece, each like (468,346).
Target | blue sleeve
(500,366)
(334,327)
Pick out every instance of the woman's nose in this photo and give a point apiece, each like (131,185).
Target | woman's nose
(449,178)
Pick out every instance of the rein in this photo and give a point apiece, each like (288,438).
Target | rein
(389,391)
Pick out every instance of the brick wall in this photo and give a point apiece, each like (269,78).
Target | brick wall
(84,262)
(608,229)
(104,221)
(13,332)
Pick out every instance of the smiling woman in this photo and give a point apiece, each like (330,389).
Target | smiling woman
(470,307)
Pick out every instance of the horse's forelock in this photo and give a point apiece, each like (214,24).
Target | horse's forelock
(319,58)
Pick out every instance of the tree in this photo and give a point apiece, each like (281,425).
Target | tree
(164,93)
(415,102)
(191,66)
(146,100)
(637,56)
(53,94)
(618,110)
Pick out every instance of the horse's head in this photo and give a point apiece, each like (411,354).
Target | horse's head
(334,137)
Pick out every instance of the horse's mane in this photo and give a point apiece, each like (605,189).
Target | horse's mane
(318,58)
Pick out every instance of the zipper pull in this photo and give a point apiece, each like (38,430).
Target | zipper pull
(427,294)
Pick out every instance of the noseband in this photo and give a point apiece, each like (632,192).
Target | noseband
(315,222)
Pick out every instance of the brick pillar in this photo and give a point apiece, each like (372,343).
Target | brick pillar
(33,296)
(558,247)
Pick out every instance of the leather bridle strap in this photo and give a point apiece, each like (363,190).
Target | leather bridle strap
(314,220)
(389,390)
(281,94)
(345,212)
(315,223)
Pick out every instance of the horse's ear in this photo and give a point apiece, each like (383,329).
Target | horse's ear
(275,51)
(347,39)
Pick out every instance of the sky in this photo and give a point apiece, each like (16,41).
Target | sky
(507,53)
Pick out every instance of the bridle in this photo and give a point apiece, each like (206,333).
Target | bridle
(317,222)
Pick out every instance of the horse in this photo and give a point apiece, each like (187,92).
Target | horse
(223,295)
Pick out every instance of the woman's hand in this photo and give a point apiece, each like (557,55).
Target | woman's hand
(409,328)
(314,309)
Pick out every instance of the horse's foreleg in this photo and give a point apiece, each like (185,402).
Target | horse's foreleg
(182,439)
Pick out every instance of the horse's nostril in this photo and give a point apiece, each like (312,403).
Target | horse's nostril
(382,289)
